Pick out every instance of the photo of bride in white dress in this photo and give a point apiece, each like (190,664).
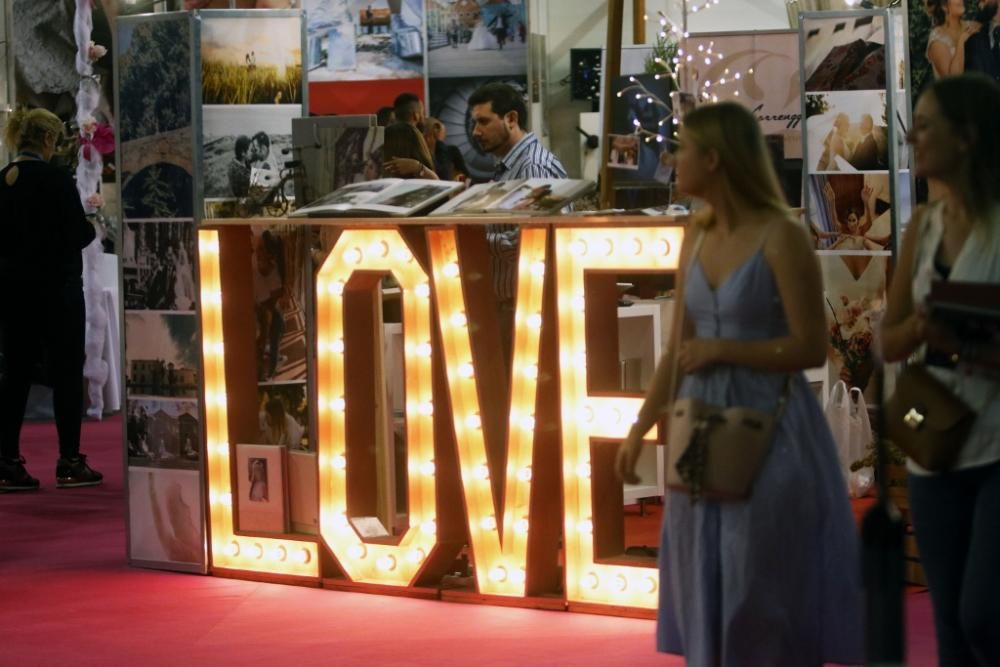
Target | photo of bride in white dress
(476,38)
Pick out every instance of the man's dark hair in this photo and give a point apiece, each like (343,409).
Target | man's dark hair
(242,146)
(406,106)
(503,99)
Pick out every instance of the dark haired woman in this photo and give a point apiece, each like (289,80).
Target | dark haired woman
(406,153)
(956,514)
(946,41)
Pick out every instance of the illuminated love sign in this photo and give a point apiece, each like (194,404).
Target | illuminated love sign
(435,322)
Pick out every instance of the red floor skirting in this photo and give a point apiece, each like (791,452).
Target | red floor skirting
(67,598)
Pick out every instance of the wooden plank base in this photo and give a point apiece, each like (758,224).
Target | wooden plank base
(266,577)
(610,610)
(474,597)
(421,593)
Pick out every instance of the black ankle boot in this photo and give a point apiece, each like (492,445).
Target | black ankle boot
(74,472)
(13,476)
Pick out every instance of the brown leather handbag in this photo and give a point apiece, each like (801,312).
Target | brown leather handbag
(714,452)
(927,420)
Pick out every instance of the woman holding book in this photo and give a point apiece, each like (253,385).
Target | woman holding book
(406,153)
(772,579)
(956,142)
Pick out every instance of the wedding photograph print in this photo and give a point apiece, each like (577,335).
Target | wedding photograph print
(623,151)
(163,433)
(477,38)
(850,212)
(847,132)
(364,40)
(844,53)
(158,265)
(260,484)
(165,516)
(161,355)
(246,148)
(251,60)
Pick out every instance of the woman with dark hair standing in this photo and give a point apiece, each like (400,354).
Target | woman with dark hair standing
(956,513)
(406,153)
(773,579)
(41,305)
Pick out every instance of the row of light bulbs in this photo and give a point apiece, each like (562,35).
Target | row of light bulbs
(278,553)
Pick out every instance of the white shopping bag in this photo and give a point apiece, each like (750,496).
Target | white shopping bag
(847,415)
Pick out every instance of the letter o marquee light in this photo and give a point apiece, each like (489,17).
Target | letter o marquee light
(375,250)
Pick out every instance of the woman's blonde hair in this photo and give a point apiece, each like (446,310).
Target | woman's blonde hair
(744,159)
(402,140)
(27,128)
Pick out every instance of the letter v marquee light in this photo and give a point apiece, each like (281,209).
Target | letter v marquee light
(637,249)
(500,555)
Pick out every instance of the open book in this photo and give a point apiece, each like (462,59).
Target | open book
(382,197)
(531,196)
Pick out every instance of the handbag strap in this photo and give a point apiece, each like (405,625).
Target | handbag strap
(677,332)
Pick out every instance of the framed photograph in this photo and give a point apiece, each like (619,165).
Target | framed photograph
(251,60)
(303,491)
(449,103)
(844,53)
(158,265)
(260,484)
(854,288)
(365,40)
(847,132)
(163,433)
(165,517)
(623,151)
(850,212)
(283,415)
(643,110)
(246,147)
(161,354)
(156,176)
(477,38)
(279,274)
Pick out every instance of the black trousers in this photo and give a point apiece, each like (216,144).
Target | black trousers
(956,517)
(42,327)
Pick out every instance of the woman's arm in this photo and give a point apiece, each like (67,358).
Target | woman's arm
(831,203)
(868,198)
(903,327)
(796,270)
(402,167)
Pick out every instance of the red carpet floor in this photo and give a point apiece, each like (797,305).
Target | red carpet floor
(68,598)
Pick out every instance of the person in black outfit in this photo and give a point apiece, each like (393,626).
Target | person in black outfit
(41,297)
(982,50)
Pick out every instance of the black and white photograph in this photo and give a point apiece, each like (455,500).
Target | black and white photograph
(163,433)
(449,103)
(412,196)
(850,212)
(158,265)
(283,415)
(251,60)
(165,516)
(279,257)
(161,354)
(478,198)
(365,40)
(260,485)
(154,78)
(847,132)
(246,148)
(844,53)
(346,198)
(623,151)
(477,38)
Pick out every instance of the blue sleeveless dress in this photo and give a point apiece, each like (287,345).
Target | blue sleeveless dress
(774,581)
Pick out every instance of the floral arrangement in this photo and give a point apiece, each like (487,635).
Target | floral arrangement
(852,338)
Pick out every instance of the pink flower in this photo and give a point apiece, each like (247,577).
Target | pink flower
(88,127)
(101,137)
(95,52)
(95,200)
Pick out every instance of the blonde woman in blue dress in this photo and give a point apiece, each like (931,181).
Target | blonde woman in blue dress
(773,580)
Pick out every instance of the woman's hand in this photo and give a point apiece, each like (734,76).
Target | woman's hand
(866,193)
(968,30)
(402,167)
(698,353)
(627,457)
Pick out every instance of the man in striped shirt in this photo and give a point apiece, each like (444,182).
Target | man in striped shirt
(499,116)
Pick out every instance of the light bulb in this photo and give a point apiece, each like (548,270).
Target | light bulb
(302,556)
(518,576)
(336,287)
(521,526)
(426,408)
(498,574)
(459,319)
(585,526)
(353,255)
(257,551)
(473,421)
(488,522)
(423,350)
(524,474)
(531,372)
(527,422)
(481,472)
(466,370)
(404,255)
(450,270)
(386,563)
(423,290)
(535,321)
(379,248)
(591,580)
(579,247)
(662,247)
(621,583)
(415,556)
(429,527)
(279,553)
(233,549)
(649,585)
(427,468)
(583,470)
(337,346)
(339,404)
(339,462)
(538,269)
(609,245)
(357,551)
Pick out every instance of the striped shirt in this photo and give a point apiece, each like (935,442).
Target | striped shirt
(527,159)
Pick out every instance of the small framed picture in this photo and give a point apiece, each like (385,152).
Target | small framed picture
(303,491)
(262,490)
(623,151)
